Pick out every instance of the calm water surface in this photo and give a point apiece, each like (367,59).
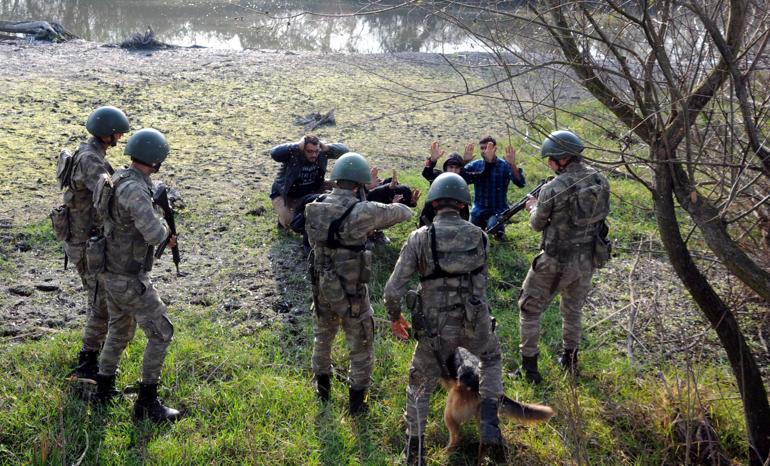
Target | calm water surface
(252,24)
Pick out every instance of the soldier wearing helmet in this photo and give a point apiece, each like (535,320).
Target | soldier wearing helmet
(569,211)
(106,125)
(132,230)
(450,258)
(337,225)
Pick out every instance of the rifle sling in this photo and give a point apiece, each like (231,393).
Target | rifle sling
(332,237)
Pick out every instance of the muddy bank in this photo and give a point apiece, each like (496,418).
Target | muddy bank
(221,110)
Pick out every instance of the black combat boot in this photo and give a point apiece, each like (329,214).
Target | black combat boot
(323,387)
(568,361)
(415,450)
(105,389)
(357,403)
(491,447)
(88,365)
(528,369)
(149,406)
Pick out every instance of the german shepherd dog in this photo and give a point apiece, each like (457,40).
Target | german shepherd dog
(462,403)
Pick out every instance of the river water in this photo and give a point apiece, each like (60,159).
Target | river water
(334,25)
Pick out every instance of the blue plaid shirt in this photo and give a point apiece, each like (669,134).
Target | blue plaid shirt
(491,192)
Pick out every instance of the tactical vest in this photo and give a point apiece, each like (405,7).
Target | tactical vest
(456,251)
(83,221)
(580,204)
(126,250)
(340,269)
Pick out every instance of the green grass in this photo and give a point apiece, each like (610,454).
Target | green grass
(248,398)
(247,395)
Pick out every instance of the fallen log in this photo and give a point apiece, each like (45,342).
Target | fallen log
(314,119)
(38,30)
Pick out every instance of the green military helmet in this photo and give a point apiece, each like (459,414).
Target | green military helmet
(352,167)
(106,121)
(561,144)
(148,146)
(449,186)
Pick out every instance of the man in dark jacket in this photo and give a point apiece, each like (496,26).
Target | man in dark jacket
(303,166)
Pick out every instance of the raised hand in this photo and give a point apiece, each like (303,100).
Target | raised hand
(510,155)
(468,154)
(415,196)
(394,180)
(435,151)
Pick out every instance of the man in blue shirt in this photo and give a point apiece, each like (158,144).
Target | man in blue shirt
(491,190)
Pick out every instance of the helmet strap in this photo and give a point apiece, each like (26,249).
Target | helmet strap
(113,140)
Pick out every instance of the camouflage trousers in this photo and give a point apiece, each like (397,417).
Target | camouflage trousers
(545,279)
(133,301)
(454,330)
(97,316)
(359,335)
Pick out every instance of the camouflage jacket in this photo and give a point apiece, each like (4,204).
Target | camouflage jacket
(89,164)
(349,260)
(565,215)
(462,255)
(136,224)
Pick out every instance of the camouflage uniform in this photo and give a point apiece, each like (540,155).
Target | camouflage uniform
(340,275)
(454,307)
(565,264)
(134,228)
(89,164)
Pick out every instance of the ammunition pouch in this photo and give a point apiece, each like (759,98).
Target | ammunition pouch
(602,246)
(60,220)
(475,313)
(96,249)
(330,289)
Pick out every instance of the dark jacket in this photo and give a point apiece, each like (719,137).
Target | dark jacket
(292,159)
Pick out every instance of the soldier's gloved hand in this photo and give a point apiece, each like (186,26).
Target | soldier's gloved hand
(400,328)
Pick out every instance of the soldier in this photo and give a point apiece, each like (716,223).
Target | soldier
(133,229)
(303,166)
(450,257)
(337,225)
(570,212)
(107,125)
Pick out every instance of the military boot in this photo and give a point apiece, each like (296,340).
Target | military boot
(149,406)
(357,403)
(323,387)
(491,446)
(88,365)
(528,369)
(568,361)
(105,389)
(415,450)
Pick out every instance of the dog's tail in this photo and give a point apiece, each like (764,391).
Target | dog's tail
(524,412)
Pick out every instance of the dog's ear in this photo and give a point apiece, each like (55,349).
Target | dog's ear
(452,364)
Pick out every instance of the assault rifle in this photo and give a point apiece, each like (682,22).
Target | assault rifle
(502,218)
(160,196)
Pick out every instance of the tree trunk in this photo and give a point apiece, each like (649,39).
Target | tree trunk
(41,30)
(756,408)
(709,220)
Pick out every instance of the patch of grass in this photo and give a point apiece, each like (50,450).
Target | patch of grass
(247,395)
